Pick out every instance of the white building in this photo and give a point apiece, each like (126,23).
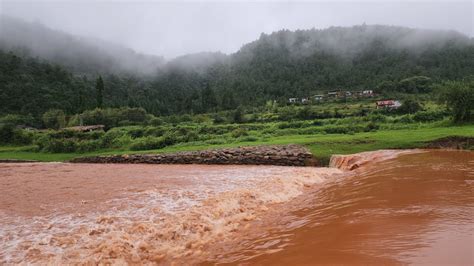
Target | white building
(293,100)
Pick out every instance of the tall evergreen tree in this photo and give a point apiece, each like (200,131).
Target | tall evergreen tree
(209,100)
(99,87)
(228,100)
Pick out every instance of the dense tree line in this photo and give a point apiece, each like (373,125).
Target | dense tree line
(28,85)
(275,67)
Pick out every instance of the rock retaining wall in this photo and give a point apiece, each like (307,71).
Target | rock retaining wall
(288,155)
(17,161)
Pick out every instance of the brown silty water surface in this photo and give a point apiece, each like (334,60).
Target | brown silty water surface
(416,208)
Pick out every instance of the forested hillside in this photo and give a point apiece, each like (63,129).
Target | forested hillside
(289,63)
(274,67)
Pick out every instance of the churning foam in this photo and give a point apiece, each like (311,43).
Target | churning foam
(210,204)
(354,161)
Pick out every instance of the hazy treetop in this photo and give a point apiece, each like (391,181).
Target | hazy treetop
(176,28)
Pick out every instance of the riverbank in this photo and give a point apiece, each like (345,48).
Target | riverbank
(320,145)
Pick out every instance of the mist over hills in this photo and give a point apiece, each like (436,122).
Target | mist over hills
(350,41)
(198,62)
(78,54)
(274,67)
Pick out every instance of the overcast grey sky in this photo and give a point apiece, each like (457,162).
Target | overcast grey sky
(175,28)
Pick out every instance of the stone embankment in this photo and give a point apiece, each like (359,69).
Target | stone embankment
(17,161)
(285,155)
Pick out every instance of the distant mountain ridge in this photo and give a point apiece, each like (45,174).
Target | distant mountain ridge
(91,55)
(346,41)
(276,66)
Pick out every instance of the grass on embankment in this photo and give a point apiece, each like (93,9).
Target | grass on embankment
(322,146)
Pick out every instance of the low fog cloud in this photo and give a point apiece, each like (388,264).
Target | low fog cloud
(178,28)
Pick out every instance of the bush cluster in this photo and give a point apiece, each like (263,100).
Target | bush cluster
(142,131)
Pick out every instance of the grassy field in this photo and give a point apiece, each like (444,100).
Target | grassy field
(321,145)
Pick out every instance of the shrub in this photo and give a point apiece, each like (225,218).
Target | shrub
(22,137)
(65,141)
(112,117)
(323,115)
(154,131)
(294,124)
(111,137)
(415,84)
(216,130)
(406,119)
(123,123)
(337,114)
(428,116)
(201,119)
(54,118)
(377,118)
(190,136)
(217,119)
(459,98)
(88,145)
(11,135)
(287,113)
(336,130)
(156,121)
(344,129)
(17,120)
(147,143)
(136,132)
(74,120)
(249,139)
(216,141)
(306,113)
(151,143)
(185,118)
(169,140)
(409,106)
(6,134)
(182,131)
(238,116)
(239,132)
(99,117)
(371,127)
(136,115)
(119,142)
(310,131)
(48,144)
(317,123)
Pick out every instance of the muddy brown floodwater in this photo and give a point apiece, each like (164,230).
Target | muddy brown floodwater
(415,208)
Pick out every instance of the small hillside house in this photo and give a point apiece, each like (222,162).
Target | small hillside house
(85,128)
(368,93)
(389,104)
(318,97)
(305,100)
(293,100)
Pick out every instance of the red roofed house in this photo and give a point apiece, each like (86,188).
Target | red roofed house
(392,104)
